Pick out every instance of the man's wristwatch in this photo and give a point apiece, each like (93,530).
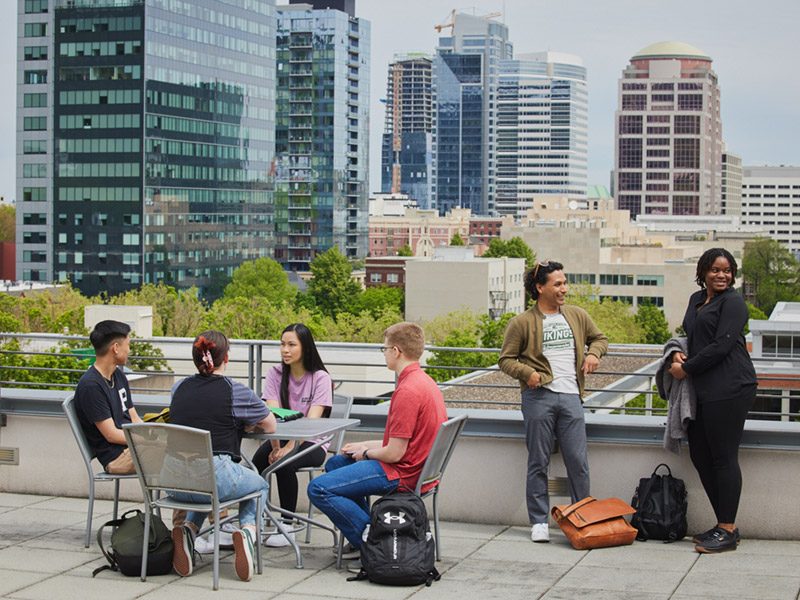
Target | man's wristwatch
(364,456)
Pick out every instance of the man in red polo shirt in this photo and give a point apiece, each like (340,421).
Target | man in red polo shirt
(377,467)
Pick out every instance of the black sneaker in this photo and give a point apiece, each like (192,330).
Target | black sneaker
(720,540)
(702,537)
(183,551)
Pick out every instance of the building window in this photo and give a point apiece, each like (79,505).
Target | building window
(630,124)
(375,278)
(34,146)
(614,279)
(634,101)
(35,100)
(690,102)
(780,345)
(35,6)
(653,280)
(35,29)
(32,171)
(34,123)
(35,52)
(657,301)
(623,299)
(391,277)
(687,124)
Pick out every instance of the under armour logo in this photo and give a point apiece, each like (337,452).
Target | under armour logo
(388,517)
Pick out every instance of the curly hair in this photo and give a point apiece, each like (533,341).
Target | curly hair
(539,274)
(707,261)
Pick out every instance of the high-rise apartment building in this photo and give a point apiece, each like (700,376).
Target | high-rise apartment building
(541,130)
(406,156)
(465,79)
(145,140)
(771,198)
(322,148)
(731,183)
(668,134)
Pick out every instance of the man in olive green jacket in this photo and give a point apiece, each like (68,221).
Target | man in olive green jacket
(544,349)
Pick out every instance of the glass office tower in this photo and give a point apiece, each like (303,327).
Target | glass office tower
(157,148)
(322,149)
(542,130)
(406,157)
(465,78)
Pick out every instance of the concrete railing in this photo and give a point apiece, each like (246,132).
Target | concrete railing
(485,482)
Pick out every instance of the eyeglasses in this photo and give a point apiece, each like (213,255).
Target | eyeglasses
(383,349)
(541,264)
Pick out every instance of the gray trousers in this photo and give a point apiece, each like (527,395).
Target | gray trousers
(546,414)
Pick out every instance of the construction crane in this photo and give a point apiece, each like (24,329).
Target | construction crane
(453,20)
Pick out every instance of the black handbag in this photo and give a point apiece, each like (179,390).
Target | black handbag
(125,552)
(660,503)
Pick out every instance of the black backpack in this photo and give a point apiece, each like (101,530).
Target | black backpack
(125,551)
(399,548)
(660,503)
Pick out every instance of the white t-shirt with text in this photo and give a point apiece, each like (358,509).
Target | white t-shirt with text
(558,344)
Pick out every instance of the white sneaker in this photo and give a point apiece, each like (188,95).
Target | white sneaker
(203,545)
(225,535)
(540,532)
(279,540)
(206,546)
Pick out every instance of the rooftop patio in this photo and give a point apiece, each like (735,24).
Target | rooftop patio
(42,556)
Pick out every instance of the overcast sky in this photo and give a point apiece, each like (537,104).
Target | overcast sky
(755,47)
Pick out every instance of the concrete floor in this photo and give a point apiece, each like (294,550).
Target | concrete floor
(42,557)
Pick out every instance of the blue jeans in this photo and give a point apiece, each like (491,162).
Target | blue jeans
(342,492)
(233,480)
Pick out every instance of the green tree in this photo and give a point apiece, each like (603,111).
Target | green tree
(460,338)
(375,299)
(176,313)
(64,370)
(614,318)
(755,313)
(493,331)
(8,223)
(513,248)
(365,327)
(773,272)
(56,310)
(456,240)
(655,329)
(264,278)
(243,317)
(331,285)
(405,250)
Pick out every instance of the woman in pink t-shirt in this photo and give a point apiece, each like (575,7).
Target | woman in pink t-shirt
(301,382)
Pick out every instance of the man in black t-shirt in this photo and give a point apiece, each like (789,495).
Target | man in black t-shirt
(103,397)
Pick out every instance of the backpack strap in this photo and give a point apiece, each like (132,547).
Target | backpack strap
(434,575)
(643,535)
(360,576)
(109,553)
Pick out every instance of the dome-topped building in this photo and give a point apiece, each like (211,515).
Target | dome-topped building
(671,50)
(668,138)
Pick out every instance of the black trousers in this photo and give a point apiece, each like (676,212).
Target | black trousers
(286,476)
(714,438)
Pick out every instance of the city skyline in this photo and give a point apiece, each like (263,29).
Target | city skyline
(747,43)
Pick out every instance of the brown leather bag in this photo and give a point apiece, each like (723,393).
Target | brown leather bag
(591,523)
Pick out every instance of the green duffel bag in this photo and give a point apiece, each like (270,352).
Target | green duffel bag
(125,551)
